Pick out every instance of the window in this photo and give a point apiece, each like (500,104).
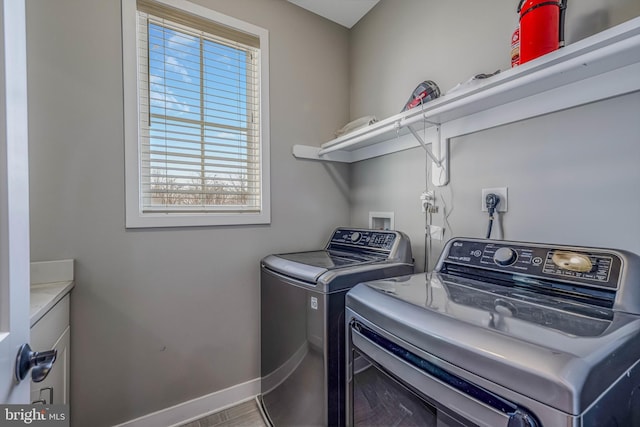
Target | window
(196,117)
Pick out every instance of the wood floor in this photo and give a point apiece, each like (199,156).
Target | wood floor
(245,414)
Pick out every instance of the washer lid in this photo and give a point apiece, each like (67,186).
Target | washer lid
(309,266)
(558,352)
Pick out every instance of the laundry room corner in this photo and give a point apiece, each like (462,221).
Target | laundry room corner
(554,165)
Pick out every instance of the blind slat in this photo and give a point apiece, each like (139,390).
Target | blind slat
(174,160)
(192,146)
(217,180)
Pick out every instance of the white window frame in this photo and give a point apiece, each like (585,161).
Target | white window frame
(135,217)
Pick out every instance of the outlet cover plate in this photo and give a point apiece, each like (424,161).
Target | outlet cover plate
(501,192)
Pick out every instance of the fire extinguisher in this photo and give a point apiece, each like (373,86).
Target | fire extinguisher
(541,27)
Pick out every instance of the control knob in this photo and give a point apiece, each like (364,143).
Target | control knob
(355,236)
(505,256)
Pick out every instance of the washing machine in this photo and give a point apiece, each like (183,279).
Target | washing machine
(302,321)
(501,333)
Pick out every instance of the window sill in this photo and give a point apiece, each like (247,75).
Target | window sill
(161,220)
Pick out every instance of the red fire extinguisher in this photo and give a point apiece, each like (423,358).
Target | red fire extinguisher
(541,27)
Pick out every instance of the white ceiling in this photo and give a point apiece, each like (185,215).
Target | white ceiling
(345,12)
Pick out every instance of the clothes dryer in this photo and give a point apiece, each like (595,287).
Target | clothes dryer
(499,334)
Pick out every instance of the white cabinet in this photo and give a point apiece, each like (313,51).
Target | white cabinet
(52,331)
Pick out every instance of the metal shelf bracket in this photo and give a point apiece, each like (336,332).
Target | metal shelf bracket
(440,158)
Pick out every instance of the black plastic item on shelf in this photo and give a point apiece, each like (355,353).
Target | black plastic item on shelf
(426,91)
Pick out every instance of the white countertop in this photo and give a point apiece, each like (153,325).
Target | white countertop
(50,282)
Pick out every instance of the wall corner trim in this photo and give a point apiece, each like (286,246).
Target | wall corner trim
(199,407)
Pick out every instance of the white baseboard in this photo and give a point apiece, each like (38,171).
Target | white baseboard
(199,407)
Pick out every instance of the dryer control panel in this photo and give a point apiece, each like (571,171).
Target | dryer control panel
(585,266)
(364,239)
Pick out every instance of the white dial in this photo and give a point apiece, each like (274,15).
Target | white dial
(572,261)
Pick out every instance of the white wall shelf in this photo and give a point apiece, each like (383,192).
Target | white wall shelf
(602,66)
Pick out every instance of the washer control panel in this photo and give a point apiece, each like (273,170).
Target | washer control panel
(592,267)
(365,239)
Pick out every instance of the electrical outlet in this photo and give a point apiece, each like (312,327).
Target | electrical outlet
(500,192)
(427,199)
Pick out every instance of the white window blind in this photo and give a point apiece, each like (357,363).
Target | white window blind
(199,114)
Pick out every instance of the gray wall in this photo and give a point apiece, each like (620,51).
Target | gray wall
(163,316)
(571,175)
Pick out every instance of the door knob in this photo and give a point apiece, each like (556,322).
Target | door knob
(39,363)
